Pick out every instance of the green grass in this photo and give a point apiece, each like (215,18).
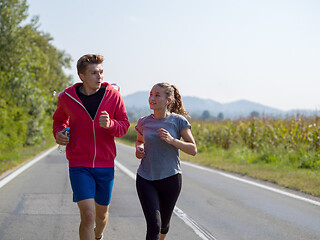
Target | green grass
(304,180)
(12,159)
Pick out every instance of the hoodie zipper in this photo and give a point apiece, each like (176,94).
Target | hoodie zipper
(94,133)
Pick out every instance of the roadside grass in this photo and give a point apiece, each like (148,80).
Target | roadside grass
(126,142)
(12,159)
(304,180)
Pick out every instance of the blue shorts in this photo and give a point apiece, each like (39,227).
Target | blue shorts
(93,183)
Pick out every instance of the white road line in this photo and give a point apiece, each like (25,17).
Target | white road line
(252,183)
(200,231)
(14,174)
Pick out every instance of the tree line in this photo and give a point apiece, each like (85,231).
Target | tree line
(31,68)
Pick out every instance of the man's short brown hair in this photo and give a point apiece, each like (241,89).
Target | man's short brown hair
(87,59)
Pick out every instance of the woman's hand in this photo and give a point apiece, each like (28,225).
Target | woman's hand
(188,145)
(165,135)
(140,152)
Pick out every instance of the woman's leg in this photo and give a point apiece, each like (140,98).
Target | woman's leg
(162,236)
(149,200)
(169,190)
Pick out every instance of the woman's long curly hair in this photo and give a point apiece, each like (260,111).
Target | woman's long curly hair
(172,92)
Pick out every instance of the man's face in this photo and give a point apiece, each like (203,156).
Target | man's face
(93,77)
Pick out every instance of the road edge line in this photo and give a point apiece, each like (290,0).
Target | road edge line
(252,183)
(24,167)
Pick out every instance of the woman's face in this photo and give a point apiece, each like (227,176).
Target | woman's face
(158,99)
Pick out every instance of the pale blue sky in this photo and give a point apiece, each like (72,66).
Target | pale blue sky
(262,51)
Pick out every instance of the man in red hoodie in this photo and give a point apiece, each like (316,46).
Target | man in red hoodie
(95,113)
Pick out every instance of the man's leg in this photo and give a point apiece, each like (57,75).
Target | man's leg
(87,214)
(104,178)
(102,217)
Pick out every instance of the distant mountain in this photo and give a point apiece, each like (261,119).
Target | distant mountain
(137,100)
(137,106)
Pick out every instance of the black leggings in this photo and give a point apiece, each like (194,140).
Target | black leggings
(158,199)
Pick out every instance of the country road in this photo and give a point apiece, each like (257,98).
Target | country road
(37,204)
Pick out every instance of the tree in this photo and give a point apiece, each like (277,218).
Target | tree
(254,114)
(30,68)
(220,116)
(205,115)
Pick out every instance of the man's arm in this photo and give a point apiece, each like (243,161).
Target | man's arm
(60,120)
(119,124)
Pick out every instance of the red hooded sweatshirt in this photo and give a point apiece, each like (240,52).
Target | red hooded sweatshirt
(89,144)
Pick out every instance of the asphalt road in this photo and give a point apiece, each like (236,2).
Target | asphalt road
(37,204)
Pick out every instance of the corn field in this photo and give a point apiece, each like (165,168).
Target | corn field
(296,139)
(258,134)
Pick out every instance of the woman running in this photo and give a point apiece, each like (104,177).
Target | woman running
(158,142)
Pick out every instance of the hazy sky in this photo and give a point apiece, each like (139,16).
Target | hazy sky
(262,51)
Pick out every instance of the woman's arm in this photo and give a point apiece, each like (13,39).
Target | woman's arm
(140,147)
(188,145)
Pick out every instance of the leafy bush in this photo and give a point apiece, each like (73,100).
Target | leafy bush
(30,69)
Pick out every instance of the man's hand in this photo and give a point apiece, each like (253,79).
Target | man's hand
(104,120)
(62,139)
